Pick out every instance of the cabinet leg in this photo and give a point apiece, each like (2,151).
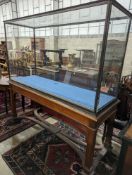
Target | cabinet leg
(108,133)
(15,119)
(91,140)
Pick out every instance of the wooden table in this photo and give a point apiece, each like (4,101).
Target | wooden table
(4,87)
(78,117)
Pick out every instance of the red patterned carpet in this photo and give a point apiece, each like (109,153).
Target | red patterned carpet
(7,130)
(46,154)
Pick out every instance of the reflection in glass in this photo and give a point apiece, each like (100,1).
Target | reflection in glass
(114,55)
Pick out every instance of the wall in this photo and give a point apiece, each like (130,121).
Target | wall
(127,68)
(91,43)
(78,43)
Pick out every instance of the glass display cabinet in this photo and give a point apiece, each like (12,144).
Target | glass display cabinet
(77,72)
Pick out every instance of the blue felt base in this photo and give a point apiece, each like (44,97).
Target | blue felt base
(79,96)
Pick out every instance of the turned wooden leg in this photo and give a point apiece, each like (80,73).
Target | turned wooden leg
(91,140)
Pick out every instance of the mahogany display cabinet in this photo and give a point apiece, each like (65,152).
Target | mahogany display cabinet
(83,80)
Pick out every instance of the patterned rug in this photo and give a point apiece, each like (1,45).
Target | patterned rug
(2,103)
(7,130)
(46,154)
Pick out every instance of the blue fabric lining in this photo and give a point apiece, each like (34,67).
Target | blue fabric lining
(73,94)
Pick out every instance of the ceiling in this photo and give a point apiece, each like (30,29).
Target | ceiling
(69,16)
(4,1)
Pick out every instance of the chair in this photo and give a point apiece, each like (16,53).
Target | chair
(124,109)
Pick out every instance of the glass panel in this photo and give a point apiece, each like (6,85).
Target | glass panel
(75,2)
(65,54)
(122,2)
(130,5)
(30,7)
(71,59)
(66,3)
(94,28)
(85,1)
(20,53)
(116,44)
(83,29)
(41,6)
(68,54)
(70,17)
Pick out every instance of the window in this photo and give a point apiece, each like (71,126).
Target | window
(75,2)
(124,3)
(66,3)
(101,27)
(130,6)
(74,30)
(65,30)
(93,28)
(83,29)
(119,26)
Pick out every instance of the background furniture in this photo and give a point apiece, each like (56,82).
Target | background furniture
(125,158)
(113,54)
(80,77)
(39,43)
(3,57)
(4,88)
(46,72)
(124,109)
